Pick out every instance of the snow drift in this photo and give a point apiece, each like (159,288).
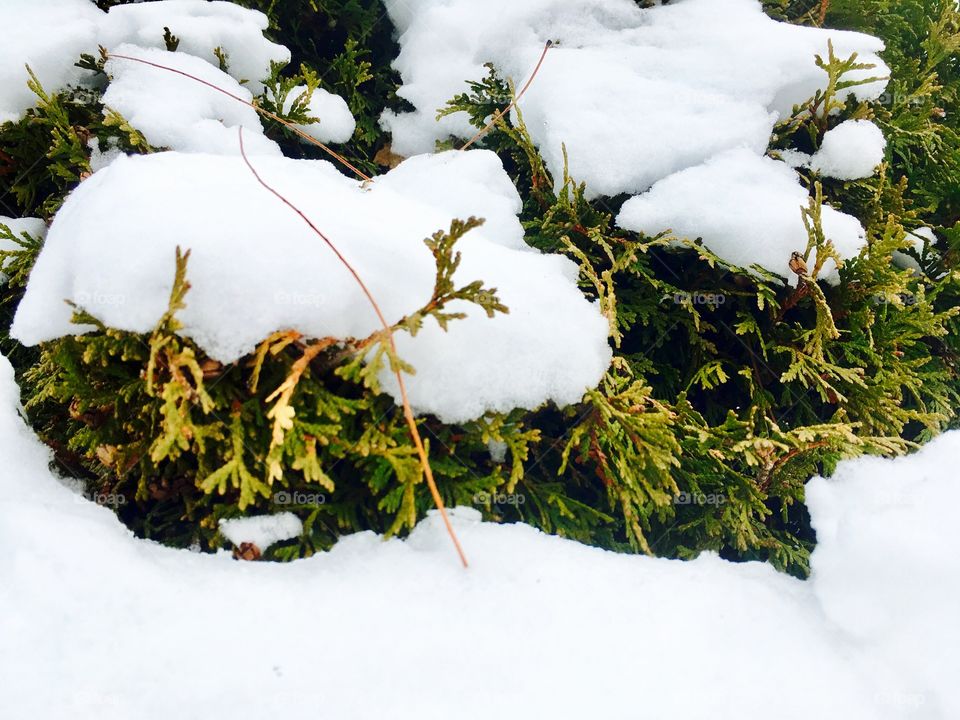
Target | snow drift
(98,624)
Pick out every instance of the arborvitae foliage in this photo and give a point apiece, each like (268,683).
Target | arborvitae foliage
(349,44)
(918,113)
(730,387)
(762,384)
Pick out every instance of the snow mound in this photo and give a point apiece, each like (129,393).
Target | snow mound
(337,123)
(635,94)
(263,530)
(179,113)
(747,209)
(850,151)
(201,27)
(98,615)
(885,571)
(256,268)
(50,36)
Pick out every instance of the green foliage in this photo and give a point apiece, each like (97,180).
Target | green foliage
(717,413)
(920,111)
(46,153)
(299,425)
(349,45)
(730,386)
(801,12)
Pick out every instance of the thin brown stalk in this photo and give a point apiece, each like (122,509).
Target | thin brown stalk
(501,113)
(266,113)
(824,7)
(388,330)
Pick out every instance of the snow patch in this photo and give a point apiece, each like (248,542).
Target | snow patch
(747,209)
(201,27)
(256,268)
(179,113)
(635,94)
(850,151)
(262,530)
(34,227)
(336,125)
(98,615)
(50,36)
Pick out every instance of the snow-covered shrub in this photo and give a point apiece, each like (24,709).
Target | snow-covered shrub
(772,302)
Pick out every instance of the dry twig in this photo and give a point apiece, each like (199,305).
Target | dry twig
(388,333)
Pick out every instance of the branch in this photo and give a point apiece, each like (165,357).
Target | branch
(388,330)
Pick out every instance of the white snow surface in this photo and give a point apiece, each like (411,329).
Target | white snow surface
(256,268)
(201,27)
(50,35)
(635,94)
(96,623)
(262,530)
(180,113)
(337,123)
(850,151)
(747,209)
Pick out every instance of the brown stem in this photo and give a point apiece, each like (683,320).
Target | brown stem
(501,113)
(266,113)
(407,409)
(803,289)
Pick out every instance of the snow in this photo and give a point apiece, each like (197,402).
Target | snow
(201,27)
(747,209)
(51,35)
(93,617)
(34,227)
(850,151)
(336,125)
(256,268)
(179,113)
(262,530)
(101,157)
(48,36)
(922,237)
(885,572)
(635,94)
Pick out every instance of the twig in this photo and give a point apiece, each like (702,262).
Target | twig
(501,113)
(767,478)
(802,290)
(266,113)
(407,409)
